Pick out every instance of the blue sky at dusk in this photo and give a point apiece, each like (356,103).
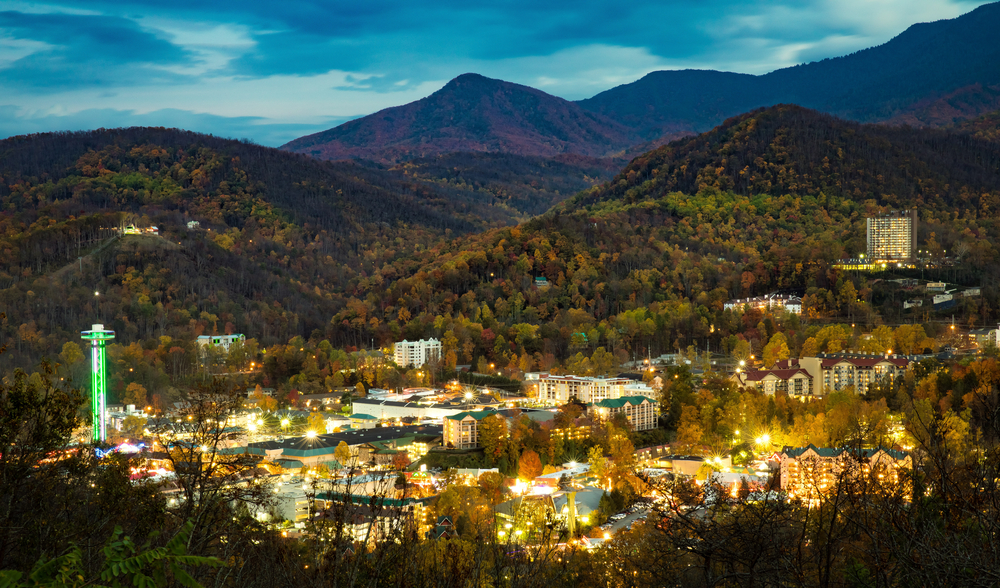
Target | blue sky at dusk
(278,70)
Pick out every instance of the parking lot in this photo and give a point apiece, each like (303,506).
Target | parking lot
(613,526)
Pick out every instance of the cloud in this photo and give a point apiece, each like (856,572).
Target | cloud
(70,50)
(262,67)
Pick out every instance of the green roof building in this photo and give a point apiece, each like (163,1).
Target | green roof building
(640,411)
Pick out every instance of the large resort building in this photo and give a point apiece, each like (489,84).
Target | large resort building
(639,410)
(461,431)
(892,236)
(817,376)
(416,353)
(562,389)
(810,472)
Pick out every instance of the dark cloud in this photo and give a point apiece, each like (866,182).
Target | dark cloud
(84,50)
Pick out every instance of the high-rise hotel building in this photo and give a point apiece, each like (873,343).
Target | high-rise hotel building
(893,236)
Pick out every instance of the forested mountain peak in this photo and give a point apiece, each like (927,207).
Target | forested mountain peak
(769,201)
(472,113)
(788,149)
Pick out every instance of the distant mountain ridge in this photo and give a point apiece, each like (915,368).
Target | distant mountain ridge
(900,81)
(472,113)
(932,74)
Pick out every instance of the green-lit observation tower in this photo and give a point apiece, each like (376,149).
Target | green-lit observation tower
(98,379)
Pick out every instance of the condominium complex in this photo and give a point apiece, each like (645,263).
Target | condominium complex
(809,472)
(818,376)
(893,236)
(416,353)
(461,431)
(560,389)
(639,410)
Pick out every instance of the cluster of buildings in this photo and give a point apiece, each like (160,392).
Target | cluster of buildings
(810,472)
(817,376)
(787,302)
(462,430)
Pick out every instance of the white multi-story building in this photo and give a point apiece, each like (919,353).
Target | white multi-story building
(892,236)
(416,353)
(560,389)
(223,341)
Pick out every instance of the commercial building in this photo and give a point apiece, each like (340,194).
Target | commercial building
(364,445)
(893,236)
(794,382)
(639,410)
(461,431)
(560,389)
(416,353)
(792,304)
(817,376)
(809,472)
(400,409)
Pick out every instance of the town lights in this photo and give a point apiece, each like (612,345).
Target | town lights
(763,439)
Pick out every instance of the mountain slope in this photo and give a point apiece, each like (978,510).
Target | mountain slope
(767,201)
(471,113)
(278,233)
(788,149)
(925,63)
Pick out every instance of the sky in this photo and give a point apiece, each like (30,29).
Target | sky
(274,71)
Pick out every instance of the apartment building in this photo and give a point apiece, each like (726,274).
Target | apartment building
(560,389)
(809,472)
(892,236)
(416,353)
(818,376)
(639,410)
(461,431)
(794,382)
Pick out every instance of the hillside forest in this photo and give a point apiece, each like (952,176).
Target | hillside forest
(361,256)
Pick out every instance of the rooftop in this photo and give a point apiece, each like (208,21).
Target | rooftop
(620,402)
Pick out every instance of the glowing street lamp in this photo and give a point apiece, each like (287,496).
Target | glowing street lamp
(310,434)
(98,379)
